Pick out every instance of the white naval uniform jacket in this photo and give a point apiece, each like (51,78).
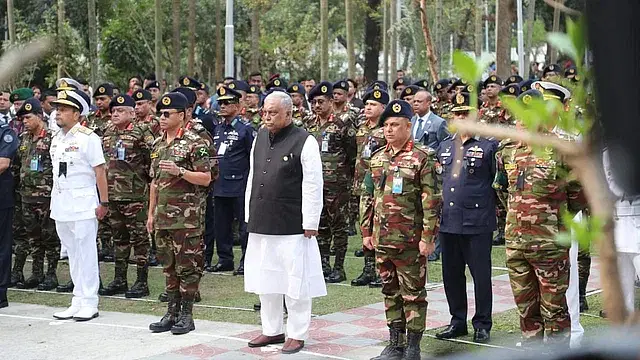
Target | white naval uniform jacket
(626,214)
(74,196)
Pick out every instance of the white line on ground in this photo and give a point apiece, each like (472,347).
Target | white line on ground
(95,323)
(474,343)
(591,315)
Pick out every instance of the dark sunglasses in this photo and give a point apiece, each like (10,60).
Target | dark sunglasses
(227,102)
(166,114)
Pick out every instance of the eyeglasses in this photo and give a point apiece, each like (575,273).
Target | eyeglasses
(166,114)
(318,101)
(227,102)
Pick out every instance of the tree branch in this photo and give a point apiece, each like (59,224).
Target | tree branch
(562,7)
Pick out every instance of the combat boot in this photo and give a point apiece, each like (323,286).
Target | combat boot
(582,291)
(412,351)
(326,266)
(376,282)
(108,255)
(153,259)
(119,284)
(499,238)
(358,253)
(395,349)
(66,288)
(368,273)
(37,272)
(50,280)
(140,288)
(198,297)
(17,276)
(185,322)
(163,297)
(169,319)
(338,274)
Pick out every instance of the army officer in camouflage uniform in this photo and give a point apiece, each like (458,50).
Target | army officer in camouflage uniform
(399,221)
(180,170)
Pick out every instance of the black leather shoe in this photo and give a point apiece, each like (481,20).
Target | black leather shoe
(153,259)
(498,239)
(239,271)
(376,283)
(451,332)
(66,288)
(481,336)
(163,297)
(359,253)
(3,299)
(222,267)
(336,276)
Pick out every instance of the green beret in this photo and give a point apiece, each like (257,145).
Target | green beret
(21,94)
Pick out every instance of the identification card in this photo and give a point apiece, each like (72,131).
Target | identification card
(366,153)
(325,145)
(34,163)
(397,184)
(121,153)
(222,149)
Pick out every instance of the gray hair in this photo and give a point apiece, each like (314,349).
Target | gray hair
(285,99)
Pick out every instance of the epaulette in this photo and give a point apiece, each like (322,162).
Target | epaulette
(505,143)
(85,130)
(380,149)
(424,148)
(157,140)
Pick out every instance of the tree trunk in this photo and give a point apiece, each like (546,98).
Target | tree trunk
(393,38)
(61,45)
(175,71)
(158,39)
(528,43)
(385,40)
(93,41)
(191,57)
(324,39)
(431,56)
(351,55)
(439,34)
(504,20)
(553,53)
(11,22)
(371,42)
(477,39)
(255,39)
(219,56)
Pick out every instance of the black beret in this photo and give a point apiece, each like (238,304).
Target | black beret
(228,93)
(152,84)
(141,95)
(342,85)
(188,93)
(511,90)
(172,100)
(551,68)
(380,96)
(422,83)
(493,79)
(253,90)
(30,106)
(122,100)
(409,91)
(528,95)
(513,79)
(189,82)
(459,82)
(324,88)
(469,88)
(441,84)
(296,88)
(398,82)
(379,85)
(204,87)
(525,85)
(239,85)
(104,89)
(276,83)
(396,108)
(462,102)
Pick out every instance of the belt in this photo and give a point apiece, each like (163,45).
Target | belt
(633,210)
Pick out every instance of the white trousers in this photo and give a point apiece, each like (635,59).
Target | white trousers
(629,268)
(298,320)
(79,238)
(573,297)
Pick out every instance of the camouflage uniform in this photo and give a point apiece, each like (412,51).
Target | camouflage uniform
(36,180)
(153,123)
(21,246)
(252,117)
(584,270)
(397,223)
(178,216)
(127,153)
(442,108)
(492,114)
(299,114)
(336,139)
(538,188)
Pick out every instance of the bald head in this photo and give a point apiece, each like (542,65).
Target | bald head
(421,102)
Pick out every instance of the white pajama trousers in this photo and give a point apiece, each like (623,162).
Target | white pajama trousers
(628,268)
(298,320)
(79,239)
(573,297)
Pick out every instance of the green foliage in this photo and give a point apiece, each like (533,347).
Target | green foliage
(586,231)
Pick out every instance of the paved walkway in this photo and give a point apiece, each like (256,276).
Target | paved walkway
(29,332)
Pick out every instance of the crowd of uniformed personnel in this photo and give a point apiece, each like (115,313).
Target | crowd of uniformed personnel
(177,168)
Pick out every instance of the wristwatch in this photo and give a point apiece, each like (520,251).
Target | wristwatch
(182,172)
(104,203)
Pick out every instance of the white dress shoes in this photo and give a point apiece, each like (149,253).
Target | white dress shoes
(67,314)
(86,314)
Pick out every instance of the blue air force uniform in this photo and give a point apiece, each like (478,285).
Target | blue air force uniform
(8,146)
(466,226)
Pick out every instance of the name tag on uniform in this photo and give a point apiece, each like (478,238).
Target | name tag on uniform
(154,155)
(509,166)
(397,184)
(222,149)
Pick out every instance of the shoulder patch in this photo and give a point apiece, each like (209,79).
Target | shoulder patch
(85,130)
(425,149)
(377,151)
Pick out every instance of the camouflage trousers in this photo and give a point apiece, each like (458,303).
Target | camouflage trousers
(41,234)
(539,280)
(584,269)
(20,241)
(127,220)
(501,215)
(181,253)
(105,236)
(354,210)
(333,226)
(404,275)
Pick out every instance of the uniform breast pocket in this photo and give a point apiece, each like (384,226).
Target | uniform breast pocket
(84,199)
(544,171)
(476,212)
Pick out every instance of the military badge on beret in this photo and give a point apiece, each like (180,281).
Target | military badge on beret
(512,90)
(343,84)
(222,91)
(120,99)
(231,86)
(377,94)
(396,108)
(14,97)
(139,95)
(202,86)
(439,86)
(101,90)
(166,101)
(408,90)
(323,89)
(459,99)
(295,87)
(185,81)
(493,78)
(513,78)
(253,89)
(552,67)
(276,82)
(526,99)
(470,87)
(572,71)
(400,81)
(28,107)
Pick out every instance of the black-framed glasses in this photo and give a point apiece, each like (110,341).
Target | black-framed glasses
(166,114)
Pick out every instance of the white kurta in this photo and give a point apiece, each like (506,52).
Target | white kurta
(289,264)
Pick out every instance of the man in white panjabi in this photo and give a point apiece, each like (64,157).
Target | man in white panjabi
(283,204)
